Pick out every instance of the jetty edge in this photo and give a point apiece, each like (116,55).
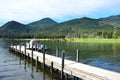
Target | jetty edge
(82,71)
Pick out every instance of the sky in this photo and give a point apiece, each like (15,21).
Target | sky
(27,11)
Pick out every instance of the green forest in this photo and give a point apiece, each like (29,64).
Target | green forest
(85,27)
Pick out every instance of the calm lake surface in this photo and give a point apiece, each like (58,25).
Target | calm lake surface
(103,55)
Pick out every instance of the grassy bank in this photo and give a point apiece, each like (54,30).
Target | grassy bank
(93,40)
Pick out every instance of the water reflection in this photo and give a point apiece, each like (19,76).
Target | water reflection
(13,67)
(96,54)
(104,55)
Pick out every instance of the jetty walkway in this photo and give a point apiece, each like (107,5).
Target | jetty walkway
(82,71)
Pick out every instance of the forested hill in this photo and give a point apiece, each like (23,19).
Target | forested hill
(13,29)
(113,19)
(42,22)
(77,28)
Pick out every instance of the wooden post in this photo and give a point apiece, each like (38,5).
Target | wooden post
(29,45)
(62,73)
(57,52)
(16,46)
(43,64)
(77,56)
(43,74)
(32,55)
(36,46)
(25,49)
(28,57)
(18,53)
(20,58)
(37,63)
(22,54)
(25,65)
(51,68)
(44,59)
(20,48)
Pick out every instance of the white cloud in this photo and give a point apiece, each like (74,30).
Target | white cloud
(30,10)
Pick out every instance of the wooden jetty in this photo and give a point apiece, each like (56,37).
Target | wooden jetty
(79,70)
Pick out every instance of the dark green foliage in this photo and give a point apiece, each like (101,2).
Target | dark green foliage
(42,22)
(76,28)
(14,27)
(113,19)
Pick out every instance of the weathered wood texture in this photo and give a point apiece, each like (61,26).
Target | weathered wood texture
(80,70)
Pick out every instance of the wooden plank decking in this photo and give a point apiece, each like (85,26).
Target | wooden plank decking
(86,72)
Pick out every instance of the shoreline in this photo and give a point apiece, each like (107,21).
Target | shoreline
(85,40)
(93,40)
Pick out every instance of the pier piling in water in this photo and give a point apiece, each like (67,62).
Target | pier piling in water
(29,45)
(51,68)
(37,63)
(25,50)
(43,59)
(28,58)
(62,67)
(35,47)
(20,47)
(32,55)
(57,52)
(77,56)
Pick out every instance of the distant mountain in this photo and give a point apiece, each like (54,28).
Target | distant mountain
(80,26)
(76,28)
(14,27)
(82,22)
(113,19)
(44,21)
(67,26)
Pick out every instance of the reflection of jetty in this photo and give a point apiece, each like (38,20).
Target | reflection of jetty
(67,67)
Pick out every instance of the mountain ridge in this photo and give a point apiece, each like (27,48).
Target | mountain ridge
(13,29)
(113,19)
(44,21)
(79,27)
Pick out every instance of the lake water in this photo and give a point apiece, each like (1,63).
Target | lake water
(103,55)
(14,68)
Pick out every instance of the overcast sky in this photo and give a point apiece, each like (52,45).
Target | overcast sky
(26,11)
